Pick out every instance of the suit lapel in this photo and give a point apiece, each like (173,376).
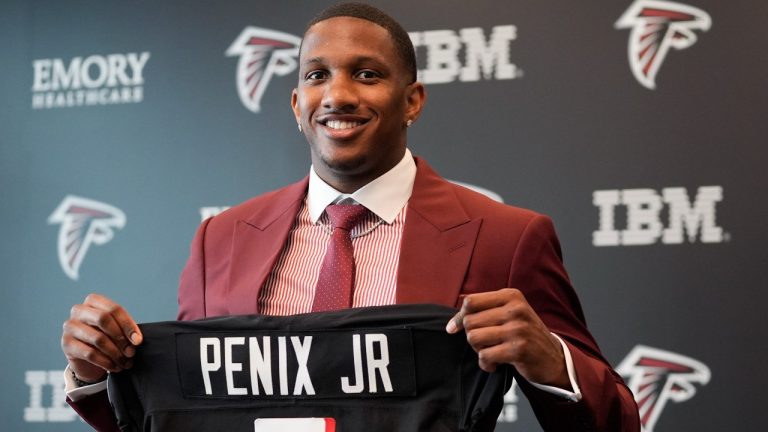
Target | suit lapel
(437,245)
(257,244)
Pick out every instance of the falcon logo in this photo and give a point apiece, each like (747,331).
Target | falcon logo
(656,27)
(656,376)
(83,222)
(263,53)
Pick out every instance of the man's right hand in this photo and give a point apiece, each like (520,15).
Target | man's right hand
(99,337)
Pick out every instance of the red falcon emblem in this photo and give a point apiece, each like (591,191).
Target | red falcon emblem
(83,222)
(656,27)
(263,53)
(656,376)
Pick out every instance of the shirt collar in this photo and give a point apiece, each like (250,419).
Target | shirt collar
(385,196)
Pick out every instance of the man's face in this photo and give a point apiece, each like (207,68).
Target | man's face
(353,101)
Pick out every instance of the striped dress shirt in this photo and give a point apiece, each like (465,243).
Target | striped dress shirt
(290,287)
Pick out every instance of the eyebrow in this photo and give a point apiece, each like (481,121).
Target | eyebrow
(359,59)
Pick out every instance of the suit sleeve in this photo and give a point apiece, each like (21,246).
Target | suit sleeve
(192,280)
(96,409)
(607,404)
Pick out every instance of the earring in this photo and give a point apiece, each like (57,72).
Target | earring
(408,123)
(299,125)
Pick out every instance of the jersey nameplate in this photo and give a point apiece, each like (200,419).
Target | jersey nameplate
(296,365)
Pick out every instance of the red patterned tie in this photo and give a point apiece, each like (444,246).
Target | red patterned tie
(337,274)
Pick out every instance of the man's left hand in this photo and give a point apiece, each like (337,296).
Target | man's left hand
(503,328)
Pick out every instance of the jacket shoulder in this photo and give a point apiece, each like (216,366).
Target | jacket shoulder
(478,204)
(262,207)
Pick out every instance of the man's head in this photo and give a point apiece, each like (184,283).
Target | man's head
(355,96)
(399,36)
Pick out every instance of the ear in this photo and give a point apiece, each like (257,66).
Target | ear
(415,98)
(295,105)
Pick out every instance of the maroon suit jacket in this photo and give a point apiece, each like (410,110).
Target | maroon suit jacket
(455,242)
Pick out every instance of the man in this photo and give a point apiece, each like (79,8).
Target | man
(425,241)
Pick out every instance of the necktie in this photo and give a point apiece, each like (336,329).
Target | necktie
(337,274)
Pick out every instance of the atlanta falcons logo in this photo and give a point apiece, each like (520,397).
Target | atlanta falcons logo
(656,27)
(263,53)
(656,376)
(83,222)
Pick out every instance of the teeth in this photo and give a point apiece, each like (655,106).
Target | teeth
(338,124)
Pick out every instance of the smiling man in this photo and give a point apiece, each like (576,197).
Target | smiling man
(419,239)
(356,97)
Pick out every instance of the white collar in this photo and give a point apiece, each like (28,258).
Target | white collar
(385,196)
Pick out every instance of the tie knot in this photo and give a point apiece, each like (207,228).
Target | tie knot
(345,216)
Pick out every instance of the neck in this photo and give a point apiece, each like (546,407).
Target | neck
(346,179)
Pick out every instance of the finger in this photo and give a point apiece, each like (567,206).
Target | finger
(95,338)
(489,358)
(481,302)
(77,351)
(456,323)
(497,316)
(485,337)
(105,323)
(476,303)
(491,299)
(489,367)
(128,326)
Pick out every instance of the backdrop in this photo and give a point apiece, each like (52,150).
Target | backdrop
(638,126)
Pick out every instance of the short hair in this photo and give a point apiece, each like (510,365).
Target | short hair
(402,41)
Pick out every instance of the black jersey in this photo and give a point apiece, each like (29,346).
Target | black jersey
(389,368)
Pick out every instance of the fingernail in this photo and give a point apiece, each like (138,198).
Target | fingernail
(129,351)
(451,327)
(135,339)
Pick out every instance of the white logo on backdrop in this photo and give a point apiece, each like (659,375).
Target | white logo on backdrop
(211,211)
(262,53)
(656,27)
(644,225)
(486,59)
(47,398)
(656,377)
(93,80)
(83,222)
(509,412)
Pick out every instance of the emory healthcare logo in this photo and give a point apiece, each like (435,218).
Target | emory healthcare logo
(656,376)
(264,53)
(93,80)
(656,27)
(83,222)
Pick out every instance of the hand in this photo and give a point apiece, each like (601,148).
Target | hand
(503,328)
(99,337)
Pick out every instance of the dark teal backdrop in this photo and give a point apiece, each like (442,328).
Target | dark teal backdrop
(132,110)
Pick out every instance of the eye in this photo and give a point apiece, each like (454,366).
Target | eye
(367,75)
(316,75)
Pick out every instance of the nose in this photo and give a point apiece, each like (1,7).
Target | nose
(340,94)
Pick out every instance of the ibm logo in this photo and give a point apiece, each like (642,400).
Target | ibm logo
(47,386)
(644,216)
(483,57)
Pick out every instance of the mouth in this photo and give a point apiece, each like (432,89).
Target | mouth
(342,126)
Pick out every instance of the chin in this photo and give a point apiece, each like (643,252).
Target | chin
(344,165)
